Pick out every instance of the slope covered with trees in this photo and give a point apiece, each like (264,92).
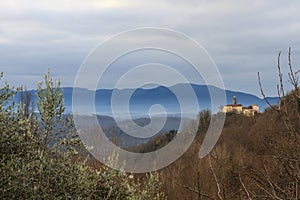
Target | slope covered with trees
(255,158)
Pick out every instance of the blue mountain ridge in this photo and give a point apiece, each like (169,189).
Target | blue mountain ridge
(141,99)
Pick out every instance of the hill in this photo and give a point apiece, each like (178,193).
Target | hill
(257,155)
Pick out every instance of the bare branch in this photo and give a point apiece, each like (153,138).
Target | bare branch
(263,93)
(248,194)
(281,92)
(215,177)
(292,75)
(271,183)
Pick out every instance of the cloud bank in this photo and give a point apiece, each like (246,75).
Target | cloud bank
(242,37)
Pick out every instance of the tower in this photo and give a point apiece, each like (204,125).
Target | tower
(234,100)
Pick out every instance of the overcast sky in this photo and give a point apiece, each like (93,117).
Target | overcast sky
(242,36)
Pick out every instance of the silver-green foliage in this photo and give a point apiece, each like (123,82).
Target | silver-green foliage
(32,170)
(50,103)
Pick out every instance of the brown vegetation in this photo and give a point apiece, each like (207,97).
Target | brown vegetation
(255,158)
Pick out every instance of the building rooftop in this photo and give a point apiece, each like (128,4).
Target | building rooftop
(234,105)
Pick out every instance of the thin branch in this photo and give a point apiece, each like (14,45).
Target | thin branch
(266,191)
(293,79)
(296,191)
(282,93)
(263,93)
(292,75)
(198,181)
(279,96)
(248,194)
(215,177)
(271,183)
(265,184)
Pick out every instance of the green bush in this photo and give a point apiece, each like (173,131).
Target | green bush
(30,169)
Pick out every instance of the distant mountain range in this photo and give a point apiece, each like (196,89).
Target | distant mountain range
(142,99)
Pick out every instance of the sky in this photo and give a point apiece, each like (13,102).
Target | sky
(242,37)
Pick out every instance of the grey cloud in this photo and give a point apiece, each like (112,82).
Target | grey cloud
(242,37)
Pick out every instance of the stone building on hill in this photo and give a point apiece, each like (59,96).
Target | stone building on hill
(251,110)
(239,109)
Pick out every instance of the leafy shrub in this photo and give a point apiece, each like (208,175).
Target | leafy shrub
(30,169)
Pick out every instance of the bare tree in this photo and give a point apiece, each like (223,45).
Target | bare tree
(284,184)
(282,108)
